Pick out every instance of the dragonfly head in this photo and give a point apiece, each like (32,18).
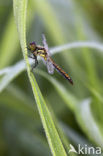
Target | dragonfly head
(32,47)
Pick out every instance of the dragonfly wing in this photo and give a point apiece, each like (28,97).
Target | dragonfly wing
(50,67)
(49,64)
(43,60)
(45,43)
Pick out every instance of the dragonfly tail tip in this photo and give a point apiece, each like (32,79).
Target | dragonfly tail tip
(71,81)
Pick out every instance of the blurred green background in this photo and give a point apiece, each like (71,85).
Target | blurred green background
(62,21)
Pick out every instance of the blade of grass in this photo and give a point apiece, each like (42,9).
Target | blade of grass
(68,97)
(49,127)
(8,45)
(78,44)
(86,54)
(45,10)
(79,109)
(87,122)
(63,137)
(48,124)
(10,73)
(13,71)
(76,138)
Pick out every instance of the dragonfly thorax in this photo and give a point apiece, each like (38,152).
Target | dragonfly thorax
(42,53)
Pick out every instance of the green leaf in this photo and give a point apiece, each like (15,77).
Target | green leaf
(10,73)
(87,122)
(8,45)
(52,135)
(81,110)
(67,97)
(45,10)
(55,144)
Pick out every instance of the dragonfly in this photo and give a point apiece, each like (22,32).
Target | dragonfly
(44,53)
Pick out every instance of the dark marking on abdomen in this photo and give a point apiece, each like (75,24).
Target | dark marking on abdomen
(61,71)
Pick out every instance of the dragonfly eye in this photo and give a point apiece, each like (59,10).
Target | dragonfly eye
(32,46)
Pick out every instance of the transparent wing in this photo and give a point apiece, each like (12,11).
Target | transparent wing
(48,63)
(50,67)
(45,44)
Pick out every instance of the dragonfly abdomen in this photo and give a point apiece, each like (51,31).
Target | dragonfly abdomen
(61,71)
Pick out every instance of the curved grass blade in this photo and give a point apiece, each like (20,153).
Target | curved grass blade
(78,44)
(87,122)
(55,144)
(67,97)
(81,110)
(15,70)
(10,73)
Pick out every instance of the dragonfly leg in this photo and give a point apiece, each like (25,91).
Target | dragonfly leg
(35,64)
